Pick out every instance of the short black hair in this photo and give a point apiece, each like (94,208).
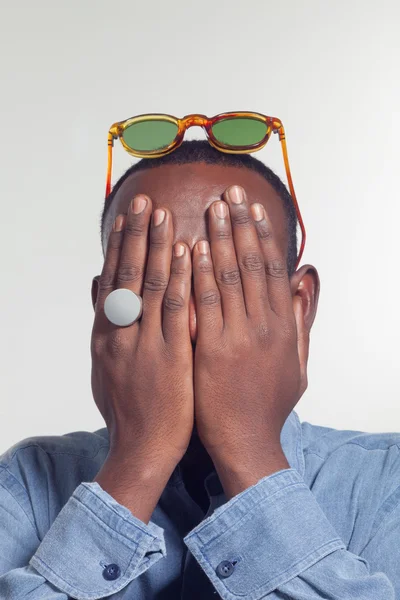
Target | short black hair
(196,151)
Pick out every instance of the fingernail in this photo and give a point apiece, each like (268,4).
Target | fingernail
(119,223)
(203,247)
(236,194)
(221,210)
(159,215)
(179,249)
(257,211)
(139,204)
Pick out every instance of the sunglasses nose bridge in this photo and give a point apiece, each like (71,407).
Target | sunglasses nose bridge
(195,121)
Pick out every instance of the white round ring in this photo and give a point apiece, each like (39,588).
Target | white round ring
(123,307)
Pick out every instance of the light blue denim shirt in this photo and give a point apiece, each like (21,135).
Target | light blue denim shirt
(328,527)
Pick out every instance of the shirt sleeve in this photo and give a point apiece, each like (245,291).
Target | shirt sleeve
(274,541)
(94,548)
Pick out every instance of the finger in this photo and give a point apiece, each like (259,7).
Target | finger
(132,262)
(108,275)
(226,269)
(248,252)
(277,276)
(206,293)
(303,342)
(157,272)
(176,299)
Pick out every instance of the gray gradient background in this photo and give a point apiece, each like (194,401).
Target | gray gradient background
(328,69)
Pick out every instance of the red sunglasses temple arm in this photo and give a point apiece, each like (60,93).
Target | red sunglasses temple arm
(293,194)
(110,144)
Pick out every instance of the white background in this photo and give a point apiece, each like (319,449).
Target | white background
(329,69)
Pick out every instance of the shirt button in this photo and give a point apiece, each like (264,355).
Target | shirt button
(225,568)
(111,572)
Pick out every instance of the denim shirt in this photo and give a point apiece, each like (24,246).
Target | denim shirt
(327,527)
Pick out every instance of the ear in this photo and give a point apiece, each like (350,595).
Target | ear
(95,290)
(305,293)
(305,285)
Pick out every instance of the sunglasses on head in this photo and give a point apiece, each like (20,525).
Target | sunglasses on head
(153,135)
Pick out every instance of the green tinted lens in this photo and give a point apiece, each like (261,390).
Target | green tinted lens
(239,131)
(146,136)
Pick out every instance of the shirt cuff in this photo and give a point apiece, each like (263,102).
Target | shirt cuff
(263,537)
(91,532)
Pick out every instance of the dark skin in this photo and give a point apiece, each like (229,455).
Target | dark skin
(188,191)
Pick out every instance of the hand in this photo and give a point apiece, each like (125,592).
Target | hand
(142,375)
(250,355)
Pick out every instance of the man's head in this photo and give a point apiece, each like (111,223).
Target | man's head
(191,178)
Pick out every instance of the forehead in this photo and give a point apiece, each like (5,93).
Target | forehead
(188,190)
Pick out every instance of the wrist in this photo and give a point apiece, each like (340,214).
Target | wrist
(241,473)
(146,464)
(133,483)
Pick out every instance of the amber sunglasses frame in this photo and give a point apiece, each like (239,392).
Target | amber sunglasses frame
(274,125)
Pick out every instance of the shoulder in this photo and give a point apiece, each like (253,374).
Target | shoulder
(355,477)
(365,464)
(59,461)
(85,444)
(39,474)
(323,441)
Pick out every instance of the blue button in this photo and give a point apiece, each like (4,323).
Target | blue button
(111,572)
(225,568)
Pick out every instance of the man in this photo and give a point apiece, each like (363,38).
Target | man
(204,483)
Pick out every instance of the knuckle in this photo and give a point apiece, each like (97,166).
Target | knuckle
(155,281)
(129,273)
(114,240)
(242,218)
(106,281)
(276,269)
(97,347)
(229,276)
(158,237)
(264,331)
(209,298)
(272,334)
(223,234)
(158,243)
(134,228)
(173,302)
(240,346)
(253,262)
(205,267)
(263,231)
(111,345)
(246,344)
(178,269)
(115,345)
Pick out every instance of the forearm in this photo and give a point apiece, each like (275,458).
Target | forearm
(278,543)
(90,532)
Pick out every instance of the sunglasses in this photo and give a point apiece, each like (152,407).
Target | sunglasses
(153,135)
